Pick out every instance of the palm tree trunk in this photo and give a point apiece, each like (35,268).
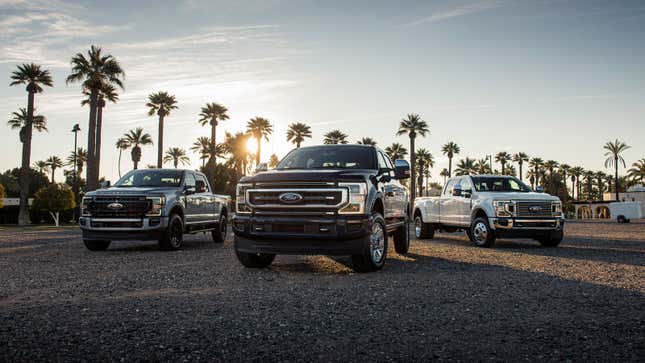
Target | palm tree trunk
(160,142)
(616,178)
(176,162)
(92,178)
(520,171)
(97,153)
(213,159)
(53,172)
(119,166)
(298,145)
(257,155)
(449,169)
(413,180)
(23,214)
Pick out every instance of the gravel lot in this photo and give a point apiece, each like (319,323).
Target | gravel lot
(445,300)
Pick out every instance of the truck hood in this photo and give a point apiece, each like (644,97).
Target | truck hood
(312,175)
(517,196)
(131,191)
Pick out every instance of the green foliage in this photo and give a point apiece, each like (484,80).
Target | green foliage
(2,195)
(11,181)
(222,177)
(54,198)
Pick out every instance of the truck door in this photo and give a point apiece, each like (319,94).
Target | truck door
(400,196)
(192,199)
(387,188)
(208,208)
(447,205)
(463,202)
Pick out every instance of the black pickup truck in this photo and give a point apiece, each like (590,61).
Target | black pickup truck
(330,200)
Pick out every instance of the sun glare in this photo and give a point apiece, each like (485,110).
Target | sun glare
(252,145)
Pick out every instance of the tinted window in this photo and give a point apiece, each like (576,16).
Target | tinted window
(449,186)
(499,184)
(203,180)
(342,157)
(151,178)
(190,180)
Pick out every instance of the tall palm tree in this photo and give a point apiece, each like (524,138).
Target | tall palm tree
(95,72)
(576,172)
(121,144)
(535,164)
(396,151)
(107,92)
(450,150)
(424,159)
(212,114)
(176,155)
(35,78)
(18,121)
(202,146)
(260,128)
(637,172)
(161,103)
(366,141)
(600,182)
(589,176)
(135,139)
(465,167)
(565,169)
(413,125)
(520,158)
(482,166)
(235,145)
(298,132)
(80,157)
(42,166)
(614,149)
(54,162)
(335,137)
(445,174)
(550,165)
(503,157)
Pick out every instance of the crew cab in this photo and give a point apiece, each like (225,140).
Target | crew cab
(331,200)
(153,204)
(490,206)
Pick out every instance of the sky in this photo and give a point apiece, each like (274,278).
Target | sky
(554,78)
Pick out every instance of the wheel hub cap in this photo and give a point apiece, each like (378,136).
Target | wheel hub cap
(480,232)
(377,243)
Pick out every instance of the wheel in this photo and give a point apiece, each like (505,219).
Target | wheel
(219,233)
(621,219)
(94,245)
(401,238)
(553,240)
(423,230)
(374,247)
(173,236)
(254,260)
(481,233)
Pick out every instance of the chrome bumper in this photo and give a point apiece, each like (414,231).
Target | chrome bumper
(532,224)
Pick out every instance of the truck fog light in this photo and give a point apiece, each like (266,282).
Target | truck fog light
(352,208)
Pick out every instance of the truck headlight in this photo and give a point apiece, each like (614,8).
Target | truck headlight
(240,198)
(504,208)
(556,208)
(85,203)
(356,198)
(156,205)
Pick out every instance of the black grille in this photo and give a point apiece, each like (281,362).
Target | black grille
(131,207)
(534,209)
(325,198)
(117,224)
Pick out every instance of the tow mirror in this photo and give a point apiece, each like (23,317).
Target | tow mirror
(467,193)
(401,169)
(261,167)
(105,184)
(188,190)
(539,189)
(456,191)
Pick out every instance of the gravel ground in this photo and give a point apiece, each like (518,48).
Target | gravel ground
(445,300)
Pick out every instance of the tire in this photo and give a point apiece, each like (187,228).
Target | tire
(219,233)
(401,238)
(481,233)
(173,236)
(255,260)
(374,247)
(94,245)
(621,219)
(423,230)
(553,240)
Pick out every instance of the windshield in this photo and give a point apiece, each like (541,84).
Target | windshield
(342,157)
(151,178)
(499,184)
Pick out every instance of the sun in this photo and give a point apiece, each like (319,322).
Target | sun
(252,145)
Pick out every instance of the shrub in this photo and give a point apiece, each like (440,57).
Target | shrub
(54,199)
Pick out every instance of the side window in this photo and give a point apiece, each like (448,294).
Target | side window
(448,190)
(383,163)
(466,184)
(190,180)
(203,180)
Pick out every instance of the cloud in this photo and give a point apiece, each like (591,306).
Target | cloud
(456,12)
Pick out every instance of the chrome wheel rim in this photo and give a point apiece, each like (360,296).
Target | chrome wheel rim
(480,232)
(377,243)
(417,227)
(176,234)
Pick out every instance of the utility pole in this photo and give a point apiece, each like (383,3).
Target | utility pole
(75,130)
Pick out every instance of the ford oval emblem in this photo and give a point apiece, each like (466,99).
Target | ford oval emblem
(115,206)
(290,197)
(535,209)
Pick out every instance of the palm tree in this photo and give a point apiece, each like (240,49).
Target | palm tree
(482,166)
(80,157)
(536,164)
(95,71)
(18,121)
(600,182)
(637,171)
(34,77)
(107,92)
(550,165)
(176,155)
(396,151)
(54,162)
(273,161)
(335,137)
(614,149)
(121,144)
(42,166)
(520,158)
(202,146)
(211,114)
(503,157)
(589,176)
(235,145)
(576,172)
(424,158)
(135,138)
(465,167)
(445,174)
(565,169)
(450,150)
(413,125)
(161,103)
(366,141)
(297,133)
(260,128)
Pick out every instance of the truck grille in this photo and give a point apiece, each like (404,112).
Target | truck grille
(534,209)
(297,200)
(131,207)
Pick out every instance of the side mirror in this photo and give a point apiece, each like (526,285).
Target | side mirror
(384,175)
(539,189)
(456,191)
(401,169)
(105,184)
(467,193)
(188,190)
(261,167)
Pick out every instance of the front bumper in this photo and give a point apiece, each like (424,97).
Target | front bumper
(526,227)
(149,228)
(337,235)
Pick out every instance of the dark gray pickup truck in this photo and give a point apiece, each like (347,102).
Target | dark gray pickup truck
(153,204)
